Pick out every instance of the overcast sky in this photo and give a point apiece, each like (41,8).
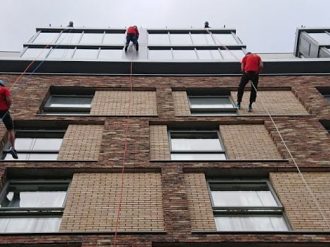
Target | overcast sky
(263,25)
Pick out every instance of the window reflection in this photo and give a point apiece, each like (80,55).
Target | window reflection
(158,39)
(114,39)
(69,38)
(180,39)
(86,54)
(91,38)
(36,53)
(60,53)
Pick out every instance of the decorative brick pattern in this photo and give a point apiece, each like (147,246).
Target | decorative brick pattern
(181,103)
(123,103)
(248,142)
(298,203)
(159,143)
(93,201)
(276,102)
(199,202)
(81,142)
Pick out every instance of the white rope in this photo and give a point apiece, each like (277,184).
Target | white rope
(326,220)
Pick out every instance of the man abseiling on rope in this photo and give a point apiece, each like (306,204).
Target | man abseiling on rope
(251,66)
(5,103)
(132,34)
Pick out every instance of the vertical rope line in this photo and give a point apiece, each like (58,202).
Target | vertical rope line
(124,157)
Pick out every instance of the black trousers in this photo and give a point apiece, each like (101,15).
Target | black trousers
(246,77)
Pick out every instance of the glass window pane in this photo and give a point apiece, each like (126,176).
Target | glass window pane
(70,101)
(60,54)
(236,55)
(180,39)
(160,55)
(204,54)
(110,54)
(86,54)
(32,199)
(243,199)
(201,156)
(91,38)
(36,53)
(210,102)
(46,38)
(321,38)
(39,144)
(224,39)
(202,39)
(33,156)
(114,39)
(251,223)
(30,224)
(196,144)
(158,39)
(69,38)
(184,54)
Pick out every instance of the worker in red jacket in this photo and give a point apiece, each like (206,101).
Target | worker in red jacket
(251,66)
(5,103)
(132,34)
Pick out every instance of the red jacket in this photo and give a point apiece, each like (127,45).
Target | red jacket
(133,30)
(4,92)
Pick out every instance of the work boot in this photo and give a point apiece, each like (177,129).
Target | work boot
(126,47)
(137,46)
(13,153)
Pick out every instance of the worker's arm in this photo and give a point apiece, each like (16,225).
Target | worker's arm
(8,100)
(243,63)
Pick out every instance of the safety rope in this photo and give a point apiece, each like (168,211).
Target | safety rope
(124,156)
(326,220)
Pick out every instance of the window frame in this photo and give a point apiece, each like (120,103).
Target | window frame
(247,210)
(34,212)
(187,132)
(76,110)
(69,92)
(207,93)
(35,133)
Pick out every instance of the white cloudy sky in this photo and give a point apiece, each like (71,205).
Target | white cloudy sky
(263,25)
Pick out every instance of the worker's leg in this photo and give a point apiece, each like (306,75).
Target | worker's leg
(135,42)
(254,87)
(242,84)
(128,39)
(7,120)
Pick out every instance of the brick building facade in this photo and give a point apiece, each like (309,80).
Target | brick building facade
(129,185)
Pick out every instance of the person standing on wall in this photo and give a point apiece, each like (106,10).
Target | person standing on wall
(251,66)
(132,34)
(5,103)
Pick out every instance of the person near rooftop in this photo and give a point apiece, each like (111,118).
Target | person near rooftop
(5,103)
(132,34)
(251,66)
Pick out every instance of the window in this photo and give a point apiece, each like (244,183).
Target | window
(36,144)
(68,100)
(202,39)
(36,53)
(86,54)
(158,39)
(46,38)
(232,54)
(207,102)
(180,39)
(110,54)
(114,38)
(224,39)
(196,145)
(184,54)
(58,53)
(69,38)
(91,38)
(32,206)
(246,206)
(160,54)
(321,38)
